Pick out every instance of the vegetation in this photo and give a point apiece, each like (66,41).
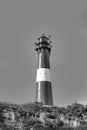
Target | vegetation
(36,116)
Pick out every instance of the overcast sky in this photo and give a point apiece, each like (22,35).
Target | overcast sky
(21,23)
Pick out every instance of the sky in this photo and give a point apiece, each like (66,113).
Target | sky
(21,23)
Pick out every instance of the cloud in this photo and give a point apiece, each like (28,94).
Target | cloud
(82,100)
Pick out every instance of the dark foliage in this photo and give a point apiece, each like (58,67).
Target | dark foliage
(27,116)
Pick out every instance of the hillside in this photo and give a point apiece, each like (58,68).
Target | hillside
(36,116)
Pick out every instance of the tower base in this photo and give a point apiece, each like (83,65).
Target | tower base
(44,92)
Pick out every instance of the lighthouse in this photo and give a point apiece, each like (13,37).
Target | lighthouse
(43,77)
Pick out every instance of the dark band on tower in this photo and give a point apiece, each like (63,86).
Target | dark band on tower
(43,79)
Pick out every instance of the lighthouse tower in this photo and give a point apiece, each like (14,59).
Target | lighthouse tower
(43,79)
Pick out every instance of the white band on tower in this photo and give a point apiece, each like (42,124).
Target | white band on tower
(43,74)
